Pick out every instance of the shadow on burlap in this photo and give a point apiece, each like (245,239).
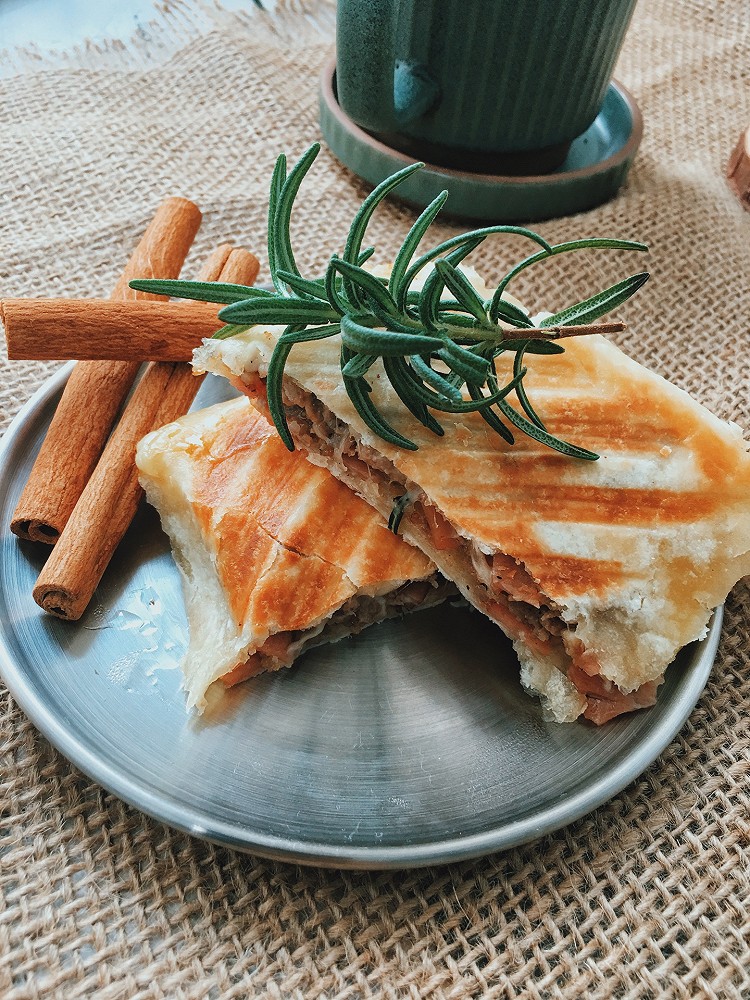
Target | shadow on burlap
(648,896)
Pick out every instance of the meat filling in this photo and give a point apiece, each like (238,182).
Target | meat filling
(357,613)
(512,596)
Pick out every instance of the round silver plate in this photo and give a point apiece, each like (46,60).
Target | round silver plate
(410,744)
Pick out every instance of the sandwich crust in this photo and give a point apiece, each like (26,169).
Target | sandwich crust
(270,547)
(629,554)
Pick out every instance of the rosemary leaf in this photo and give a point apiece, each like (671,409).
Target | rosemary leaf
(461,405)
(336,299)
(363,339)
(475,237)
(561,248)
(300,336)
(429,306)
(277,311)
(363,216)
(359,365)
(544,437)
(399,506)
(597,305)
(531,346)
(523,399)
(462,288)
(502,309)
(372,288)
(488,414)
(277,183)
(371,202)
(426,373)
(284,256)
(230,330)
(313,289)
(203,291)
(399,379)
(469,366)
(274,395)
(408,248)
(597,243)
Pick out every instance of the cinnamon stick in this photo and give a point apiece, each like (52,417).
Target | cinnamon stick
(73,445)
(233,265)
(109,501)
(155,331)
(97,328)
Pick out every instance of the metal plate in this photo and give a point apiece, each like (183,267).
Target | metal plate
(410,744)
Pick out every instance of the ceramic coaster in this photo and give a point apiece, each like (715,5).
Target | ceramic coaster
(593,171)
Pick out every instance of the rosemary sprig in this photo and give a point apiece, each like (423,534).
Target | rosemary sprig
(438,344)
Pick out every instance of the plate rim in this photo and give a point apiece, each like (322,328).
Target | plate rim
(319,854)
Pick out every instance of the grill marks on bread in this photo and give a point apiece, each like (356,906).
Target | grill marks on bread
(245,467)
(276,554)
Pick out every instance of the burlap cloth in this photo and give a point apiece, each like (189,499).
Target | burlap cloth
(646,897)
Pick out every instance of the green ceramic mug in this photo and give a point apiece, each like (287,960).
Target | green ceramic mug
(499,86)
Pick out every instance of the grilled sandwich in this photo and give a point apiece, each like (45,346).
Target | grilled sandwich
(276,555)
(599,572)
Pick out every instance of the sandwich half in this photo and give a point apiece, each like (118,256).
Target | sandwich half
(276,555)
(599,572)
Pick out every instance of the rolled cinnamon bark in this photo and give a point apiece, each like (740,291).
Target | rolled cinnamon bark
(109,501)
(154,331)
(61,329)
(73,445)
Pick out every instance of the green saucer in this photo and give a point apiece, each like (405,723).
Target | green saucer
(595,167)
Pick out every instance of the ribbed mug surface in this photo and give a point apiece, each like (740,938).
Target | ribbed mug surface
(485,77)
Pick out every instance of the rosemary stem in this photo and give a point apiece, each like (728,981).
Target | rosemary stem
(484,335)
(557,332)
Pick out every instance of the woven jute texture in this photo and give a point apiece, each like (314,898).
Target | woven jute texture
(647,897)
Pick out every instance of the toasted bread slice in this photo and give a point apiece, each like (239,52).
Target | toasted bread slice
(276,555)
(598,571)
